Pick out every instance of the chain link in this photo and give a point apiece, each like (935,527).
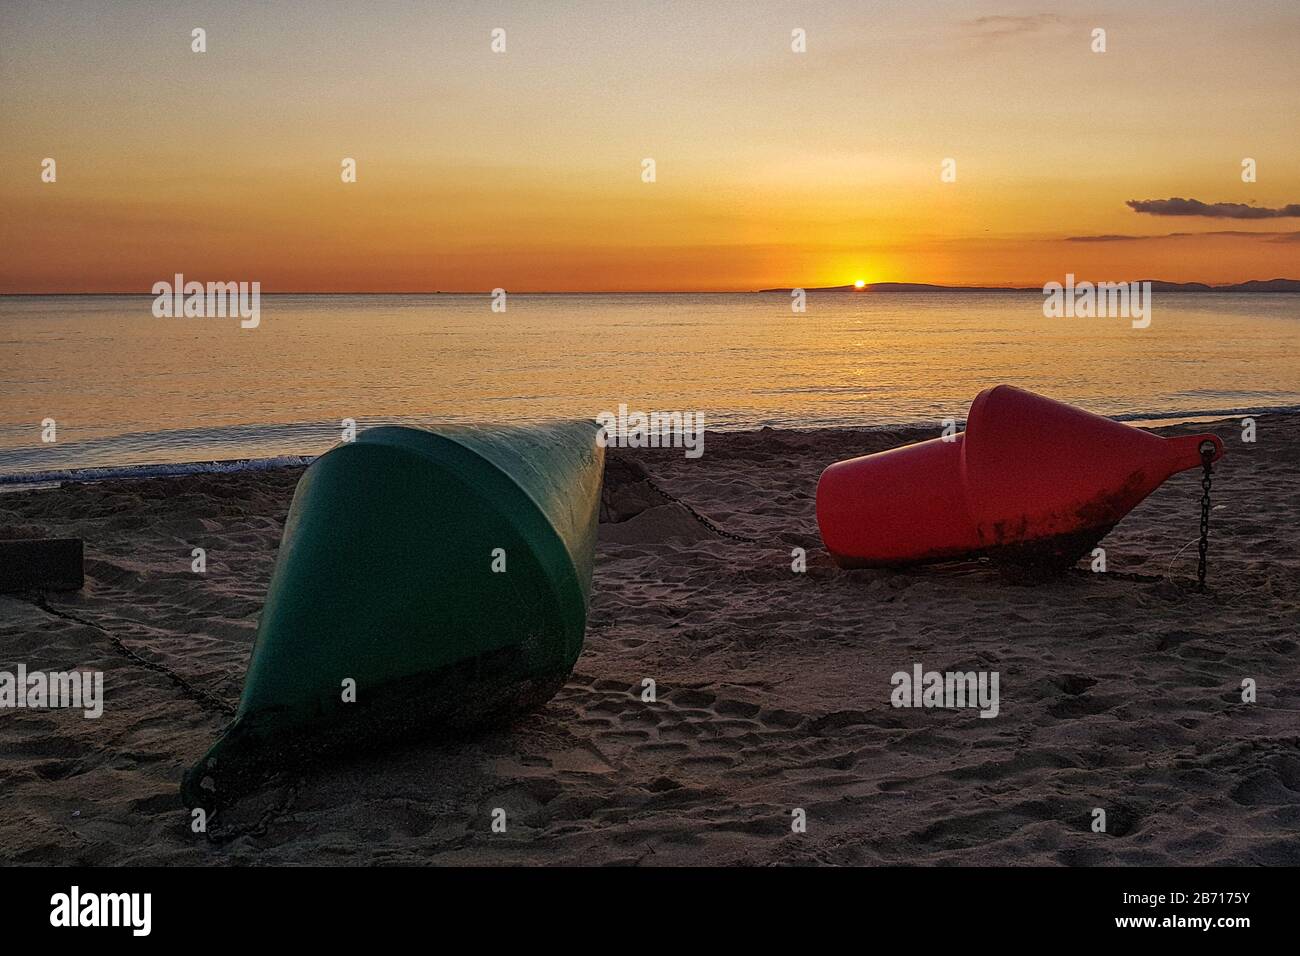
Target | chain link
(205,699)
(699,517)
(1203,546)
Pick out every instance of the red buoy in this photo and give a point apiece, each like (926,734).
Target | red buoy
(1032,482)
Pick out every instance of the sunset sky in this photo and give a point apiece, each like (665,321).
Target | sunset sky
(522,170)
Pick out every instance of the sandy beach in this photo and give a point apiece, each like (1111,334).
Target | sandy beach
(1119,691)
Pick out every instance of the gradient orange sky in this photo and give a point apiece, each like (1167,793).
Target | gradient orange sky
(522,170)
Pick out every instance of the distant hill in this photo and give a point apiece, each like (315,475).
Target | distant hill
(1264,285)
(1157,285)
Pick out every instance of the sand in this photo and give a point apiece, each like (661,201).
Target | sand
(1118,691)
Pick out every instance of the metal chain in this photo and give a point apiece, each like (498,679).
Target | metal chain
(205,699)
(1207,459)
(699,517)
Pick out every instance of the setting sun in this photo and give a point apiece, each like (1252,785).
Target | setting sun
(860,284)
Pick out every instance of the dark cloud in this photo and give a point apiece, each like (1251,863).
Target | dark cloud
(1219,210)
(996,27)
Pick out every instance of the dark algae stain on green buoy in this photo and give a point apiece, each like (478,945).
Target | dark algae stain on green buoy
(428,581)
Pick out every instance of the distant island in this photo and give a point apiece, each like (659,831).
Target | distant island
(1254,285)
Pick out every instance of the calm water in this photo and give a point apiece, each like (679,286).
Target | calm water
(126,388)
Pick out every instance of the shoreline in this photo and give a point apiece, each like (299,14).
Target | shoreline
(22,480)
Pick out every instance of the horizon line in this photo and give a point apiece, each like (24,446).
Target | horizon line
(771,289)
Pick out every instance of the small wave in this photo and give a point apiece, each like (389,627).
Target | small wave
(157,471)
(1211,413)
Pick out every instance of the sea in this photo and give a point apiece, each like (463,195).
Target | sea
(96,385)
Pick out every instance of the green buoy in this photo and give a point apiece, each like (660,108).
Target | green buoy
(427,581)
